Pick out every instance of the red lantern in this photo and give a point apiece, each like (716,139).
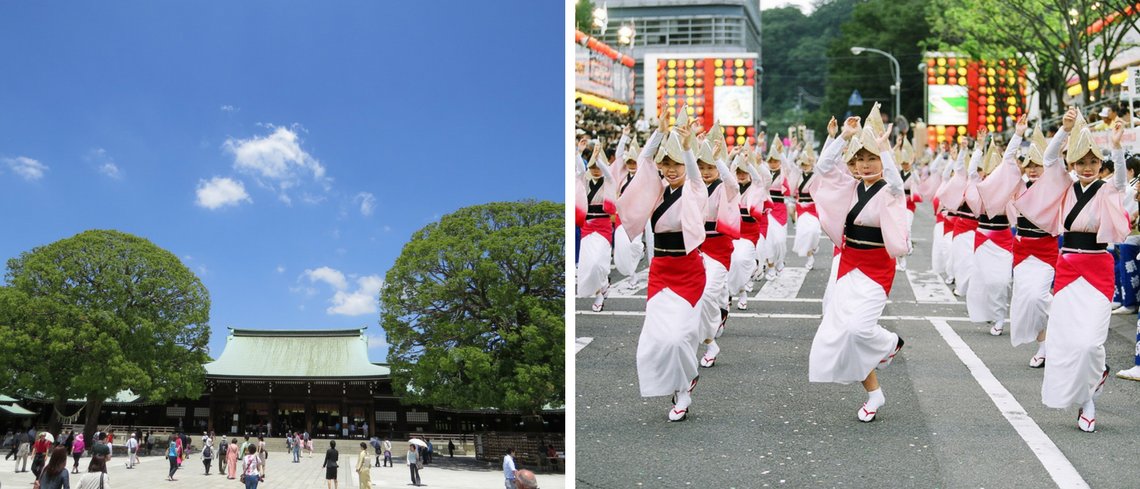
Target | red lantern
(700,110)
(950,130)
(930,80)
(751,131)
(952,61)
(700,63)
(749,81)
(930,62)
(700,82)
(748,64)
(750,73)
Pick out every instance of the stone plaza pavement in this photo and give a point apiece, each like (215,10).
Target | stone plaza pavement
(281,473)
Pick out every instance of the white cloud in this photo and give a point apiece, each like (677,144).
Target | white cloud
(220,192)
(26,168)
(229,108)
(327,275)
(280,269)
(387,229)
(104,163)
(278,163)
(367,202)
(363,300)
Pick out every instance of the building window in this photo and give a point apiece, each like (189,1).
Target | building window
(389,416)
(175,412)
(417,417)
(687,31)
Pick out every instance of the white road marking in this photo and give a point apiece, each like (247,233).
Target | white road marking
(929,288)
(629,285)
(784,286)
(759,315)
(581,342)
(1055,462)
(805,300)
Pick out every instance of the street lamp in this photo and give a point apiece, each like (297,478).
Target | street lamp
(925,94)
(626,34)
(601,18)
(897,87)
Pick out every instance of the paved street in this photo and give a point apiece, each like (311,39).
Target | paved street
(963,408)
(281,473)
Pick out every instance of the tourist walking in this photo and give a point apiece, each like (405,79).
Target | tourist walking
(252,468)
(223,451)
(451,448)
(207,455)
(77,448)
(413,459)
(172,455)
(55,475)
(509,470)
(297,441)
(309,444)
(262,453)
(363,471)
(132,451)
(388,453)
(332,458)
(375,442)
(25,442)
(231,458)
(41,450)
(96,476)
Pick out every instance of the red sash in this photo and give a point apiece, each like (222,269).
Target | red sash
(750,231)
(910,205)
(964,225)
(762,223)
(718,248)
(1096,268)
(684,275)
(1003,238)
(602,225)
(808,208)
(778,212)
(1045,249)
(876,264)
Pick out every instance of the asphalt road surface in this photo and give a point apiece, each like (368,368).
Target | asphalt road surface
(963,408)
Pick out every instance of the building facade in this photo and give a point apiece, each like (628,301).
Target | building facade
(685,27)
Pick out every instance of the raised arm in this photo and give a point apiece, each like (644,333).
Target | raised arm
(831,153)
(1119,166)
(890,170)
(732,187)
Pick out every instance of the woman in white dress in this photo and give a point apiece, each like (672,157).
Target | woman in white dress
(775,244)
(1090,213)
(722,226)
(675,206)
(628,250)
(869,219)
(988,298)
(806,242)
(753,186)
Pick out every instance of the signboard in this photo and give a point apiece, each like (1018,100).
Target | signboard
(1130,141)
(601,75)
(1133,78)
(948,105)
(733,106)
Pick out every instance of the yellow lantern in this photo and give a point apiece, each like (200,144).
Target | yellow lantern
(689,110)
(740,131)
(672,121)
(672,101)
(718,82)
(689,91)
(671,73)
(738,63)
(671,82)
(689,73)
(962,80)
(688,63)
(670,91)
(719,71)
(718,63)
(672,63)
(940,129)
(991,109)
(690,101)
(990,127)
(1011,101)
(739,82)
(941,80)
(941,70)
(1012,110)
(990,73)
(961,129)
(941,138)
(739,139)
(941,61)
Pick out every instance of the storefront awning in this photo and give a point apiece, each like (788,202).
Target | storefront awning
(16,410)
(601,103)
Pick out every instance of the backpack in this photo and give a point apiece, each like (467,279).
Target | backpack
(208,452)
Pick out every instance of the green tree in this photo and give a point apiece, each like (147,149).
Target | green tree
(584,15)
(1053,37)
(100,312)
(474,309)
(898,27)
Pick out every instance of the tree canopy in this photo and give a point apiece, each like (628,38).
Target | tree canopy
(101,312)
(474,309)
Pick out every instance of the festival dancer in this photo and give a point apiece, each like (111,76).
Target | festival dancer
(628,250)
(953,197)
(927,189)
(869,219)
(1034,250)
(904,153)
(1090,213)
(988,297)
(722,226)
(806,242)
(753,204)
(674,204)
(775,244)
(594,203)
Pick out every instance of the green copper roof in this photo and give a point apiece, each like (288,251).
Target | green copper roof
(296,354)
(16,410)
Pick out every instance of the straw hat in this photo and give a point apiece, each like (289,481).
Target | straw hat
(865,139)
(671,146)
(1081,142)
(1037,146)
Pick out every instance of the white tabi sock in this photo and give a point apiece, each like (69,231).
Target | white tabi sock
(1040,349)
(875,399)
(1088,409)
(684,399)
(713,350)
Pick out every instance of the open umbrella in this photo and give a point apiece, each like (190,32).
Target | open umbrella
(50,438)
(418,442)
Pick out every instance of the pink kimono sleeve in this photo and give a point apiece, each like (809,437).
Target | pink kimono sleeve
(1000,185)
(1042,203)
(833,198)
(636,204)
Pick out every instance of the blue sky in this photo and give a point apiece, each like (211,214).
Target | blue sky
(285,151)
